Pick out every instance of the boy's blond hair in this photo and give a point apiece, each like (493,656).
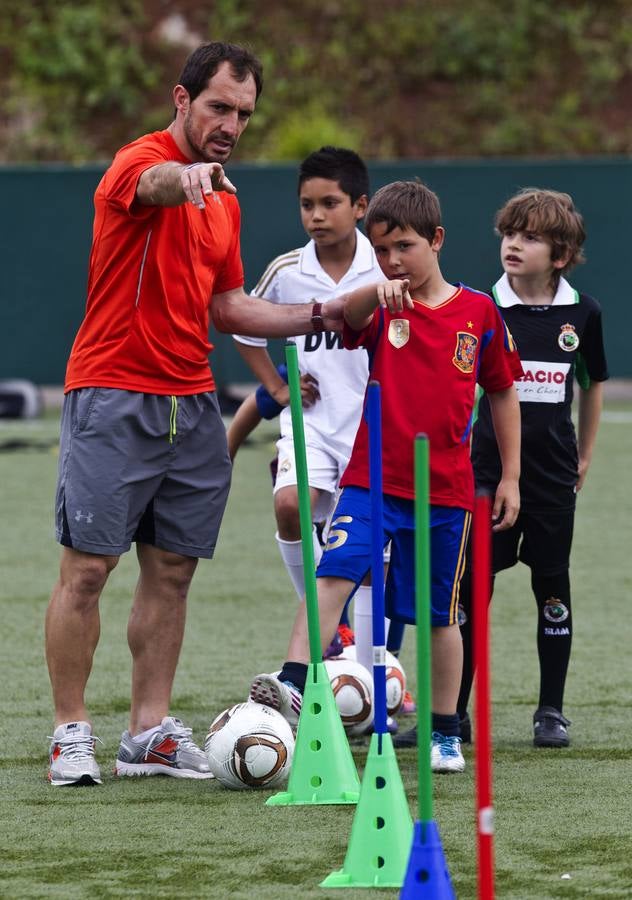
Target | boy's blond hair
(405,204)
(551,214)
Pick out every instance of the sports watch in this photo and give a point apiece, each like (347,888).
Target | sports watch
(318,323)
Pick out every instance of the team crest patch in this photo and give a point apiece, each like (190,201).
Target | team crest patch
(555,611)
(285,465)
(465,352)
(568,338)
(399,332)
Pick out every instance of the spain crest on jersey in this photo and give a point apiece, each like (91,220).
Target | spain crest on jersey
(465,352)
(398,332)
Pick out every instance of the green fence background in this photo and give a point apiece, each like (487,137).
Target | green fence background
(46,226)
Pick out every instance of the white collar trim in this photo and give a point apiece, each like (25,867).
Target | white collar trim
(363,260)
(506,296)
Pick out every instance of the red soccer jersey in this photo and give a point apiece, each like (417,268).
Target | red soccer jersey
(152,273)
(428,361)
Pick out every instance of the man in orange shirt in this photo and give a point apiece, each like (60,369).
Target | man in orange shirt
(143,454)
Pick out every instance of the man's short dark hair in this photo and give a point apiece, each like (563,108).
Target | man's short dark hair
(337,164)
(204,62)
(405,204)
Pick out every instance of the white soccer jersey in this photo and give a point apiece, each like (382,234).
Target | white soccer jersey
(298,277)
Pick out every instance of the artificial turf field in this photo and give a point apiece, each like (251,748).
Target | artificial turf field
(558,813)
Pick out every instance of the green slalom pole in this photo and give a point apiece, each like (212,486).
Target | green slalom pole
(304,504)
(323,770)
(427,875)
(424,659)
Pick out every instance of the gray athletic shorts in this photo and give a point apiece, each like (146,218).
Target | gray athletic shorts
(141,467)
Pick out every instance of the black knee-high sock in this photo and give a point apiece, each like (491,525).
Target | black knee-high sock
(395,636)
(555,635)
(465,624)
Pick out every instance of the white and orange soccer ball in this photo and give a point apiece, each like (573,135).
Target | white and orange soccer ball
(250,746)
(352,685)
(395,684)
(395,680)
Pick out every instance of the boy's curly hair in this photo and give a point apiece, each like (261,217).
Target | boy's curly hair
(548,213)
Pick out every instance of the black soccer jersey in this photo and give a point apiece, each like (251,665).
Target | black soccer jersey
(556,343)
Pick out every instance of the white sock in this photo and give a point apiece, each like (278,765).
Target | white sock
(292,556)
(363,625)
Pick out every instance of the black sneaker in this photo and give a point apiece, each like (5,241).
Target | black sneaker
(549,728)
(406,738)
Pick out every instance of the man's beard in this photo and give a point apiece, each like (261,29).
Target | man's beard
(201,150)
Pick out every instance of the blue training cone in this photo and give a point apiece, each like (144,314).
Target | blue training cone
(427,875)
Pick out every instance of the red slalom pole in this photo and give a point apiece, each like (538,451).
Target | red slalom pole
(481,591)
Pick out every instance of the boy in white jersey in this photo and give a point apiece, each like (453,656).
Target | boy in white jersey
(333,187)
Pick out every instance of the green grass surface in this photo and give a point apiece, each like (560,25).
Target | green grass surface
(557,812)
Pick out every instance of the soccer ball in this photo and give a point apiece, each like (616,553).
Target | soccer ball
(395,684)
(352,685)
(395,680)
(249,746)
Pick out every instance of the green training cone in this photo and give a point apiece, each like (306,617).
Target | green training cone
(323,770)
(382,828)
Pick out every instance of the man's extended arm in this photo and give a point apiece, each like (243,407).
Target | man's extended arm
(236,312)
(173,183)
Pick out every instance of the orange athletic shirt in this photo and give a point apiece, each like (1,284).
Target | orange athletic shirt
(152,273)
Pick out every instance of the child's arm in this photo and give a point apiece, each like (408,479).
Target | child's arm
(362,303)
(259,361)
(505,411)
(244,421)
(260,364)
(590,403)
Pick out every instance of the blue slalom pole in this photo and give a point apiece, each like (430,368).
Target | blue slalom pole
(382,826)
(377,559)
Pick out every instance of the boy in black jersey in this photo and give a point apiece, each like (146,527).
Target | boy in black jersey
(559,337)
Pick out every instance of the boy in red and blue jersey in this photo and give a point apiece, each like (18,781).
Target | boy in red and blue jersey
(429,343)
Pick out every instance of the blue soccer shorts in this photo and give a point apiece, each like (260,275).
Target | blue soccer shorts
(347,553)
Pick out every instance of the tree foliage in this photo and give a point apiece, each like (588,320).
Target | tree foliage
(394,78)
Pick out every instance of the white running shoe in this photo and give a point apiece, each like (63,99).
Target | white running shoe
(169,751)
(280,695)
(72,755)
(445,754)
